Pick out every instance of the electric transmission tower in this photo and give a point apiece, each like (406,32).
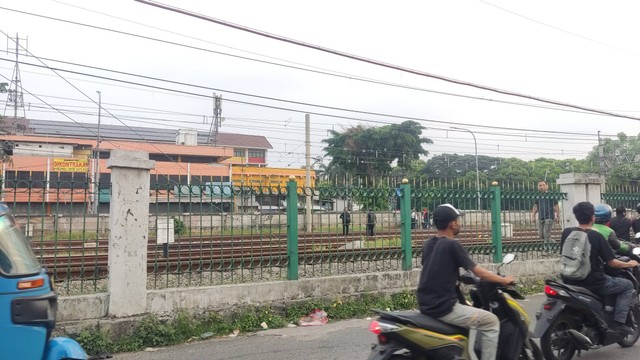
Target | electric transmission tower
(15,97)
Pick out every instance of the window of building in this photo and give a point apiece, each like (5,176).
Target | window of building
(238,152)
(255,153)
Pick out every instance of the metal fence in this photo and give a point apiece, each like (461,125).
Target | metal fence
(218,233)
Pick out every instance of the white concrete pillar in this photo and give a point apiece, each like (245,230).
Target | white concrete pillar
(579,187)
(129,226)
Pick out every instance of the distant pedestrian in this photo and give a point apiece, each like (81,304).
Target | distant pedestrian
(346,221)
(371,223)
(425,219)
(547,212)
(414,218)
(621,224)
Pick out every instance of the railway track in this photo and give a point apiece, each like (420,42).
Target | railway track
(77,259)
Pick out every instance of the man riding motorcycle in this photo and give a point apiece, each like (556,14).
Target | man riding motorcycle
(601,252)
(442,258)
(603,215)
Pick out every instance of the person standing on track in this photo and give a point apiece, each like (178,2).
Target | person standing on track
(346,221)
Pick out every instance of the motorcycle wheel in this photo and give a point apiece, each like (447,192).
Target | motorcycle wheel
(534,353)
(634,323)
(556,343)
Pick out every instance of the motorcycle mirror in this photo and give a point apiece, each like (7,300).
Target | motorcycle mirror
(508,259)
(636,251)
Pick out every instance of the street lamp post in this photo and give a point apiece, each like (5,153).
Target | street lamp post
(475,143)
(96,180)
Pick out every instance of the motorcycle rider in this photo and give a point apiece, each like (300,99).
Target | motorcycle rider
(621,224)
(602,213)
(635,224)
(442,258)
(597,281)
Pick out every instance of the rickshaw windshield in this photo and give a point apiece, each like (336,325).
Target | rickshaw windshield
(16,257)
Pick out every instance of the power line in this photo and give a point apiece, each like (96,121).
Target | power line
(88,97)
(378,63)
(279,100)
(326,72)
(556,28)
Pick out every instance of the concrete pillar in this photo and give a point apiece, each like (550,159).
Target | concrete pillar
(579,187)
(129,226)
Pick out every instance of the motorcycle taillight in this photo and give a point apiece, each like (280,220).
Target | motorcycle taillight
(550,291)
(374,327)
(382,339)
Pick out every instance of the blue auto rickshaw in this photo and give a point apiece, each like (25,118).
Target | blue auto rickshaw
(27,302)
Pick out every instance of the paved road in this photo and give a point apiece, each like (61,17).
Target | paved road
(340,340)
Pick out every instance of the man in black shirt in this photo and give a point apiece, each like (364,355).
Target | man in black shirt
(547,212)
(601,253)
(442,258)
(346,221)
(621,224)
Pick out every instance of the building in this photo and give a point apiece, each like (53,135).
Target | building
(54,163)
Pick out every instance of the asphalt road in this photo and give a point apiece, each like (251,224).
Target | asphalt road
(340,340)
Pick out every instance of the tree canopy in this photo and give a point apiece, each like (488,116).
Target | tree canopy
(394,151)
(367,152)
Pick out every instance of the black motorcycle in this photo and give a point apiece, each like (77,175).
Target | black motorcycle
(412,335)
(573,319)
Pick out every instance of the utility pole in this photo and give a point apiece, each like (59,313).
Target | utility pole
(601,156)
(475,143)
(217,120)
(307,181)
(96,180)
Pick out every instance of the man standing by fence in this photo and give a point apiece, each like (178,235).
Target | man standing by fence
(547,210)
(371,223)
(346,221)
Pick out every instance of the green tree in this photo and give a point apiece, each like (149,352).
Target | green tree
(367,152)
(448,166)
(621,156)
(3,87)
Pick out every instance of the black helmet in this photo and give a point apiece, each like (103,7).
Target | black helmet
(638,208)
(602,213)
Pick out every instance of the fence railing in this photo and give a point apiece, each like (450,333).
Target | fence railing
(213,234)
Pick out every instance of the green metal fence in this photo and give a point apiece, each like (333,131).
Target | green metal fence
(622,195)
(68,239)
(220,233)
(520,229)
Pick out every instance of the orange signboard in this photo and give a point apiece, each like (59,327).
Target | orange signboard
(71,165)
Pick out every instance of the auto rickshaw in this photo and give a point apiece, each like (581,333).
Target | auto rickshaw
(28,303)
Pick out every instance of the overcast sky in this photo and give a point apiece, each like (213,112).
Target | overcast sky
(579,52)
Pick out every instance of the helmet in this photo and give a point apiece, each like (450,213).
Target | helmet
(638,208)
(602,213)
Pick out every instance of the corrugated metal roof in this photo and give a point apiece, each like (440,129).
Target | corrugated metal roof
(135,133)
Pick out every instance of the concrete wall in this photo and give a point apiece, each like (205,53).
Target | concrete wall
(95,308)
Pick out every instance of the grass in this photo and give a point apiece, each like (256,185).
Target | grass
(152,331)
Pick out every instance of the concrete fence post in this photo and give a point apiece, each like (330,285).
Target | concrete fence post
(578,187)
(129,226)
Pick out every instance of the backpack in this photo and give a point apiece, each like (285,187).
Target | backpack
(574,260)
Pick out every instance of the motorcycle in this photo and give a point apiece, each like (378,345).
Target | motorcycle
(573,319)
(28,303)
(412,335)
